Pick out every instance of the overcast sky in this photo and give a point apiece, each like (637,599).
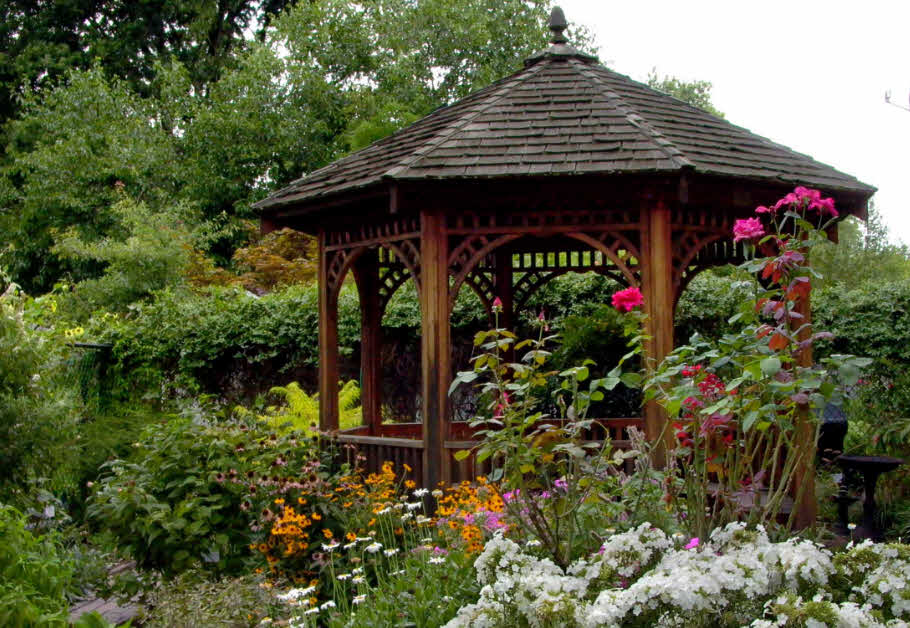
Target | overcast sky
(808,74)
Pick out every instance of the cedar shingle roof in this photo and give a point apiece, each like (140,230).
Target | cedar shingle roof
(565,115)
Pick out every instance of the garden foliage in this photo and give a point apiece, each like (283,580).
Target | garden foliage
(38,410)
(36,574)
(177,501)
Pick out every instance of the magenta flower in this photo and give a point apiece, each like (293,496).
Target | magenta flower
(824,205)
(789,199)
(807,194)
(510,495)
(628,299)
(497,304)
(747,229)
(761,209)
(693,543)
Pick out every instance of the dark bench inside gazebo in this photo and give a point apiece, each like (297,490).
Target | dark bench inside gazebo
(564,166)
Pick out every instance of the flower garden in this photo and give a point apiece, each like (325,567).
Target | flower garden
(524,288)
(249,516)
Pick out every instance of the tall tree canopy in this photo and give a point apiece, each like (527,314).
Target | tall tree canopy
(211,118)
(696,93)
(41,41)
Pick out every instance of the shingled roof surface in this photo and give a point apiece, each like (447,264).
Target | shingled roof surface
(563,115)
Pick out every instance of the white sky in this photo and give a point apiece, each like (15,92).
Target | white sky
(808,74)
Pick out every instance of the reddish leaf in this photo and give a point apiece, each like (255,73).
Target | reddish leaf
(778,341)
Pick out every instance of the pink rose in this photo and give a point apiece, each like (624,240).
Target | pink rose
(628,299)
(747,229)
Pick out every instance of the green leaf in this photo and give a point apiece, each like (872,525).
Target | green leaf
(770,366)
(749,420)
(632,380)
(848,373)
(462,454)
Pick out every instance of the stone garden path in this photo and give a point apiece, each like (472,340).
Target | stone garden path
(109,609)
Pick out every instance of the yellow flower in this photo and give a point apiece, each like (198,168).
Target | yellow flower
(410,484)
(407,468)
(350,536)
(327,533)
(316,516)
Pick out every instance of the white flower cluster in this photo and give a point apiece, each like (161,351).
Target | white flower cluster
(879,576)
(519,585)
(641,577)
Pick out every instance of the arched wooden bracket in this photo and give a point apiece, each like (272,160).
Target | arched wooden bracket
(337,262)
(612,254)
(705,241)
(467,256)
(483,287)
(531,282)
(390,280)
(403,256)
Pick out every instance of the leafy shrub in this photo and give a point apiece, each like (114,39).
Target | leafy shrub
(177,500)
(871,319)
(37,409)
(146,251)
(709,301)
(99,439)
(195,339)
(35,575)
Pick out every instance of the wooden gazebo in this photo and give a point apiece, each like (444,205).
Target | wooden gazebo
(562,166)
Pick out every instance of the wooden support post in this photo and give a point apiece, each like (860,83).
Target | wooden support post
(657,279)
(366,271)
(328,345)
(804,479)
(436,347)
(504,288)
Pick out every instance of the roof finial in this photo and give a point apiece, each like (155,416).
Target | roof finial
(560,48)
(558,25)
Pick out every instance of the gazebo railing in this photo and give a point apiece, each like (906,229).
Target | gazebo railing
(402,444)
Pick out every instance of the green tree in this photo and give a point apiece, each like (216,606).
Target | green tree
(696,93)
(146,251)
(69,154)
(863,253)
(327,77)
(41,41)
